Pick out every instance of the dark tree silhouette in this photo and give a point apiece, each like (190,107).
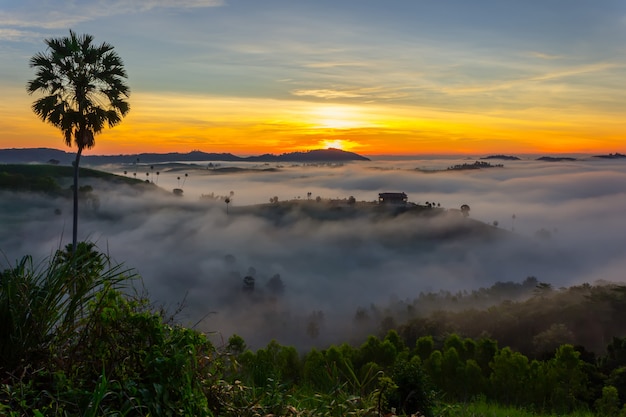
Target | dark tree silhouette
(276,285)
(465,209)
(84,89)
(227,201)
(248,284)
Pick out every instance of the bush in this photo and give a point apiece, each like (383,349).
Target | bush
(77,343)
(413,394)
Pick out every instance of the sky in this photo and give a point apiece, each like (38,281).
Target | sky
(180,246)
(393,77)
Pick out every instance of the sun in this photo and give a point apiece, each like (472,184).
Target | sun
(335,144)
(336,117)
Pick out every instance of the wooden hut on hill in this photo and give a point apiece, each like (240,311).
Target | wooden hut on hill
(392,198)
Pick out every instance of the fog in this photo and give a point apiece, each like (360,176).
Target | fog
(190,250)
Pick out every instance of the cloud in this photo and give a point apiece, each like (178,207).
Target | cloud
(15,35)
(326,93)
(61,16)
(542,55)
(191,249)
(332,64)
(523,82)
(371,93)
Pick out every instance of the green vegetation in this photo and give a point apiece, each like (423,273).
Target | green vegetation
(531,317)
(77,340)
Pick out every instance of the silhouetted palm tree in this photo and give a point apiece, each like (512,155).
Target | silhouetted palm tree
(84,89)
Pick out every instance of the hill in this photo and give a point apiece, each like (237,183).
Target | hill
(53,179)
(555,159)
(503,157)
(615,155)
(47,178)
(318,155)
(49,155)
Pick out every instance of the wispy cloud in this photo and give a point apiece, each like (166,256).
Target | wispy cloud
(552,75)
(569,72)
(326,93)
(16,35)
(331,64)
(371,93)
(543,55)
(57,16)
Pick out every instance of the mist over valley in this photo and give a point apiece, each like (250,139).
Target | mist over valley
(314,262)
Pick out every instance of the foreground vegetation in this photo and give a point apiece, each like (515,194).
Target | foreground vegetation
(77,339)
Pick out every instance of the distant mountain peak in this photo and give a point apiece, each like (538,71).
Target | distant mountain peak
(43,155)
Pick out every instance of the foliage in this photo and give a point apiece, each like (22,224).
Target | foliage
(413,393)
(77,343)
(530,317)
(46,304)
(20,182)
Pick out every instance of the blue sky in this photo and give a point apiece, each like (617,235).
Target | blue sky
(517,61)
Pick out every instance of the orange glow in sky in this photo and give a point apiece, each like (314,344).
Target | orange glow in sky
(173,123)
(452,77)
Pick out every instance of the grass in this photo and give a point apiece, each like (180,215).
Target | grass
(482,408)
(41,304)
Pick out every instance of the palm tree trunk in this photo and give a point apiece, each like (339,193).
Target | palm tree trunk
(75,220)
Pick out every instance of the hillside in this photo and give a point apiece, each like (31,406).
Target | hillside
(56,179)
(48,178)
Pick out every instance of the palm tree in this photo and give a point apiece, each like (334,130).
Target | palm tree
(84,89)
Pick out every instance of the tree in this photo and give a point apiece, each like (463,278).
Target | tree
(509,377)
(84,89)
(569,381)
(608,404)
(276,285)
(424,346)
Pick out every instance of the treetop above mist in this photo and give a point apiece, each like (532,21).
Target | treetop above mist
(503,157)
(615,155)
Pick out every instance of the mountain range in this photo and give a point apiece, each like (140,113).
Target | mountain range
(49,155)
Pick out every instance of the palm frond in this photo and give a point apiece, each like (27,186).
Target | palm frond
(84,87)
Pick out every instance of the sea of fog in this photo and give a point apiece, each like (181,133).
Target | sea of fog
(562,222)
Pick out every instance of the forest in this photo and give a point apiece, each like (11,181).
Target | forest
(79,338)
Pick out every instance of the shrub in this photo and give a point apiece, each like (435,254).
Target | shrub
(76,342)
(413,393)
